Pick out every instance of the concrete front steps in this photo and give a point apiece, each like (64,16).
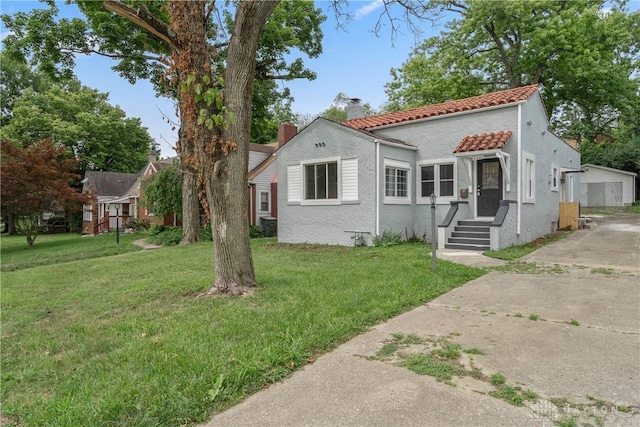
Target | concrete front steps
(470,235)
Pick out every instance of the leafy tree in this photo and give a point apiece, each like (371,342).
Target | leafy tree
(99,134)
(623,151)
(15,78)
(36,179)
(143,53)
(163,192)
(583,53)
(214,97)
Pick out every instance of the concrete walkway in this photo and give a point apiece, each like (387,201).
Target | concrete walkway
(146,245)
(570,333)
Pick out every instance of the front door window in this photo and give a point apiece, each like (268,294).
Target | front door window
(489,187)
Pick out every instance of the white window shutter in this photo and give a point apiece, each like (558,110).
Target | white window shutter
(294,183)
(350,179)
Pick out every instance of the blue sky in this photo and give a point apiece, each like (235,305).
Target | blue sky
(355,61)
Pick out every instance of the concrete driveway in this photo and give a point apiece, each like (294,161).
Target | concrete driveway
(565,340)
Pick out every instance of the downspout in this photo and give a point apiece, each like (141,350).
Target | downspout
(519,173)
(376,186)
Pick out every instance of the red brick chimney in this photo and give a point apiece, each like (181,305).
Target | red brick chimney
(286,131)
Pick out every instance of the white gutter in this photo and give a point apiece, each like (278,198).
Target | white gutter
(396,145)
(519,172)
(377,142)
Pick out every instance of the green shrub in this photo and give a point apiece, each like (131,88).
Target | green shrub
(157,229)
(388,238)
(138,224)
(255,231)
(205,232)
(164,235)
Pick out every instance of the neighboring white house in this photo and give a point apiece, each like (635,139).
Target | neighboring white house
(601,186)
(498,174)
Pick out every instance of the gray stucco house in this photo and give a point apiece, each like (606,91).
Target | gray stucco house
(498,174)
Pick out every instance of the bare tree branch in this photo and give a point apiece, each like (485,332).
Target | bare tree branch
(144,19)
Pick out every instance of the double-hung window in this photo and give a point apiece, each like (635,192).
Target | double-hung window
(436,178)
(264,201)
(396,182)
(321,181)
(87,212)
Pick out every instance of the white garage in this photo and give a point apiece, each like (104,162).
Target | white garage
(601,186)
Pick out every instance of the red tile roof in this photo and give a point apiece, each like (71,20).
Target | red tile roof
(482,142)
(488,100)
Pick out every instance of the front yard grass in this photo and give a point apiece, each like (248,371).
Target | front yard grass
(122,340)
(15,254)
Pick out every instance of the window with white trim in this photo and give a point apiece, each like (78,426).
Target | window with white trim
(264,201)
(321,181)
(436,178)
(87,214)
(555,178)
(529,178)
(396,182)
(329,181)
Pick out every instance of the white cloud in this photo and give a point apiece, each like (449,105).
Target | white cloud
(365,10)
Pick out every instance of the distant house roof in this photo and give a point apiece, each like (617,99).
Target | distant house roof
(456,106)
(108,183)
(484,141)
(263,148)
(161,164)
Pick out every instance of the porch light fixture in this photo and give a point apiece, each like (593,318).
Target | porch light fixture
(117,206)
(432,198)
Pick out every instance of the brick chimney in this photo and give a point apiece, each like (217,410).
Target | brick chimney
(153,155)
(354,109)
(286,131)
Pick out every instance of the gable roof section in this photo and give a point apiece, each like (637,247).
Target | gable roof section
(586,166)
(321,121)
(456,106)
(253,174)
(483,142)
(109,183)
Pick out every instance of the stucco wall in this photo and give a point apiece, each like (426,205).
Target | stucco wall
(435,139)
(438,138)
(327,224)
(396,217)
(540,216)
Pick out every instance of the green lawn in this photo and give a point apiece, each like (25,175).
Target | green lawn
(15,254)
(121,340)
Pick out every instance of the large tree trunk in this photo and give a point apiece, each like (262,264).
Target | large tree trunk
(223,150)
(227,186)
(190,200)
(190,208)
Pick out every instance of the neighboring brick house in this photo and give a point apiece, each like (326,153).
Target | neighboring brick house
(124,189)
(498,175)
(115,189)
